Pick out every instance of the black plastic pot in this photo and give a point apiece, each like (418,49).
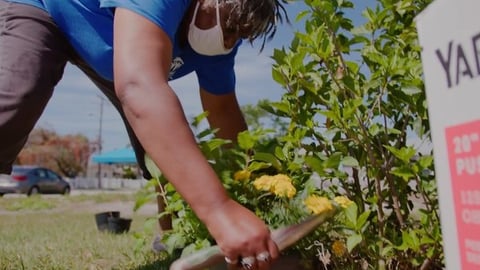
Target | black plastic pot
(118,224)
(102,219)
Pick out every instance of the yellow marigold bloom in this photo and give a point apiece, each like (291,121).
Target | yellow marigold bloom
(339,248)
(343,201)
(280,185)
(283,188)
(263,183)
(242,175)
(317,204)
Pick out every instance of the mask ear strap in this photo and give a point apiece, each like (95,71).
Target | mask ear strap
(195,13)
(218,14)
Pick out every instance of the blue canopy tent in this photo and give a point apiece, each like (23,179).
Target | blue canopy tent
(118,156)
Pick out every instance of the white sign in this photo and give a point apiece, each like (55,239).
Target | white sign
(449,33)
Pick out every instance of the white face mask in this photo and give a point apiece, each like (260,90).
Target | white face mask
(207,41)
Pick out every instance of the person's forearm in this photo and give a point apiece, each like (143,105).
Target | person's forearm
(159,122)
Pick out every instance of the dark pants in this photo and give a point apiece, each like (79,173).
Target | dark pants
(33,55)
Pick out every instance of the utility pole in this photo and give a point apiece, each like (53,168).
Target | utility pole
(100,126)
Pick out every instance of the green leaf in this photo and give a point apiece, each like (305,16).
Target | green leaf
(404,153)
(315,163)
(386,251)
(350,162)
(142,200)
(373,55)
(283,107)
(199,118)
(174,241)
(418,127)
(415,241)
(279,55)
(411,91)
(255,166)
(245,140)
(351,215)
(301,15)
(267,157)
(410,240)
(216,143)
(152,167)
(317,79)
(205,133)
(425,161)
(374,130)
(278,77)
(394,131)
(279,153)
(296,61)
(353,241)
(194,247)
(362,221)
(333,161)
(404,172)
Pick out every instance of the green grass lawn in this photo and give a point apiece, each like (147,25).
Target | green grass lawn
(48,233)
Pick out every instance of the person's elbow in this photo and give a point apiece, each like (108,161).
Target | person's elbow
(128,90)
(139,92)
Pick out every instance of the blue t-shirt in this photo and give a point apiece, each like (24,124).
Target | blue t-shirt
(88,25)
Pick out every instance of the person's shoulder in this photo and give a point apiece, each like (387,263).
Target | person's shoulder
(166,14)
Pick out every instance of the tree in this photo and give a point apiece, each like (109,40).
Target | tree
(67,154)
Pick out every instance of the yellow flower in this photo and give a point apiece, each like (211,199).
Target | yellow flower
(263,183)
(281,177)
(280,185)
(339,248)
(318,204)
(283,188)
(343,201)
(242,175)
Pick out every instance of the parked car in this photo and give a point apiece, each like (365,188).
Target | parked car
(33,180)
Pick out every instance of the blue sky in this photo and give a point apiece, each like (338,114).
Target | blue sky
(75,105)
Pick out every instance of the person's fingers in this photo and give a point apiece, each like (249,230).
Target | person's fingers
(232,264)
(249,262)
(273,250)
(264,260)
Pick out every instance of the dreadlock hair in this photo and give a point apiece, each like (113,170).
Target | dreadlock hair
(259,16)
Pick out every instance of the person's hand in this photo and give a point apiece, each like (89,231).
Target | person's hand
(243,238)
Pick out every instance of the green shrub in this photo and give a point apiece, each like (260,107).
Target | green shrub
(357,126)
